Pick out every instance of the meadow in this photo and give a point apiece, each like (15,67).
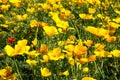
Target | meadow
(59,40)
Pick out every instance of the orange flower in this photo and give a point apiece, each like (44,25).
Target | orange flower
(79,50)
(88,78)
(88,42)
(92,58)
(111,39)
(43,49)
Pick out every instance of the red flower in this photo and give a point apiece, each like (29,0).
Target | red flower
(11,40)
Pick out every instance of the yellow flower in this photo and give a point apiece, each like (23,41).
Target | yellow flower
(31,62)
(117,11)
(5,7)
(79,50)
(50,30)
(71,61)
(2,16)
(114,25)
(34,42)
(86,16)
(45,58)
(99,46)
(88,43)
(91,10)
(97,31)
(6,74)
(66,73)
(70,47)
(88,78)
(117,20)
(33,23)
(45,72)
(14,1)
(31,10)
(25,16)
(59,23)
(115,53)
(111,39)
(85,69)
(32,53)
(19,49)
(102,53)
(56,54)
(100,16)
(9,50)
(97,2)
(19,17)
(61,43)
(83,60)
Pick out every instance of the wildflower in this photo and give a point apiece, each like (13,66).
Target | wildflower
(43,49)
(86,16)
(99,47)
(117,11)
(97,2)
(45,58)
(71,61)
(31,10)
(66,73)
(11,40)
(91,10)
(2,16)
(34,42)
(31,62)
(45,72)
(16,3)
(117,20)
(100,16)
(115,53)
(61,43)
(33,23)
(114,25)
(102,53)
(85,69)
(19,17)
(6,74)
(4,7)
(70,47)
(19,49)
(25,16)
(88,43)
(79,50)
(88,78)
(83,60)
(56,54)
(42,24)
(1,54)
(97,31)
(59,23)
(111,39)
(92,58)
(50,30)
(32,53)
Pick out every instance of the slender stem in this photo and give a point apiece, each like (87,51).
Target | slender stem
(17,69)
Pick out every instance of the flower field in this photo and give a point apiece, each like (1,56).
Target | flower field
(59,40)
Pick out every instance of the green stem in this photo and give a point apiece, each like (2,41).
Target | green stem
(17,69)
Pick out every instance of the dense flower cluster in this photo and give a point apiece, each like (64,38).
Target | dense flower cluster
(59,39)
